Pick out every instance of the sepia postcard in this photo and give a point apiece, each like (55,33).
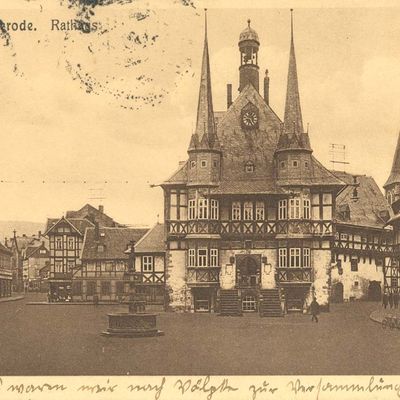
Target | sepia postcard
(199,199)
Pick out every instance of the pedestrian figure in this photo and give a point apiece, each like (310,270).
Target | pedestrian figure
(391,299)
(385,300)
(314,308)
(396,299)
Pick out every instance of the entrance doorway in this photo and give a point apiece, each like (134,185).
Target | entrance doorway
(337,293)
(202,299)
(374,291)
(248,271)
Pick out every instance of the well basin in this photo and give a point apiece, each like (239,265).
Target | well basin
(132,325)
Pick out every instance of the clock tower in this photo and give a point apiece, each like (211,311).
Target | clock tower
(248,47)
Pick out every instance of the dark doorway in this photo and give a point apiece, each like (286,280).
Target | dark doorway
(248,272)
(337,293)
(374,291)
(202,299)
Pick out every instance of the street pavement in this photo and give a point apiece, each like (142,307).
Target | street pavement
(66,340)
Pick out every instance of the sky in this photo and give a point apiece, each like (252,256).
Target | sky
(99,117)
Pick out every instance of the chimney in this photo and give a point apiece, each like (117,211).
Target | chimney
(229,95)
(96,231)
(6,242)
(40,234)
(101,209)
(266,87)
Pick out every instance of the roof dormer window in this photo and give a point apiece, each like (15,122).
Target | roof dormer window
(100,248)
(249,167)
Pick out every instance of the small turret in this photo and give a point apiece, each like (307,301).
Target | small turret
(249,44)
(392,185)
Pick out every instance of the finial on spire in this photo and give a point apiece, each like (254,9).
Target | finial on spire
(291,23)
(205,22)
(248,22)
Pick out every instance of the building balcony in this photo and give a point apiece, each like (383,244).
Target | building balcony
(294,275)
(234,229)
(202,276)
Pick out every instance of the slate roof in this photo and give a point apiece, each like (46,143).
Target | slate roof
(153,241)
(93,214)
(369,209)
(79,224)
(114,240)
(247,187)
(179,176)
(4,249)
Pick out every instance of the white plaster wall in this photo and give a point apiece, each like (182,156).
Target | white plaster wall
(366,272)
(180,298)
(321,260)
(158,263)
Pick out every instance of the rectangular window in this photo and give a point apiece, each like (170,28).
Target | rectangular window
(282,210)
(214,209)
(294,208)
(236,214)
(282,261)
(294,258)
(59,245)
(120,288)
(70,266)
(106,288)
(91,288)
(214,257)
(109,266)
(260,211)
(202,257)
(306,209)
(71,243)
(306,258)
(248,211)
(192,258)
(147,263)
(203,209)
(58,266)
(192,209)
(354,264)
(76,288)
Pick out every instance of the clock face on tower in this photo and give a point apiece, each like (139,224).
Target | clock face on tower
(249,117)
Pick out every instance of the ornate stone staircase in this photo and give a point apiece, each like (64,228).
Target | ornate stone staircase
(229,302)
(270,303)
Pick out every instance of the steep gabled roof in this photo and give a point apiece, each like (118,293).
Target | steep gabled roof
(4,249)
(114,240)
(179,176)
(153,241)
(77,224)
(93,214)
(368,208)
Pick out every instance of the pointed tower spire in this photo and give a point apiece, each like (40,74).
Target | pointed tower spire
(293,120)
(293,135)
(205,125)
(394,176)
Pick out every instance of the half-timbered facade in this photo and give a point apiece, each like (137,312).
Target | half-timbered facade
(362,240)
(104,262)
(250,215)
(150,261)
(392,191)
(65,245)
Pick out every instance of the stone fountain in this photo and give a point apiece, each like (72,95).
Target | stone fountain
(136,322)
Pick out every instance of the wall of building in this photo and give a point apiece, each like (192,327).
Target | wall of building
(321,263)
(179,295)
(356,283)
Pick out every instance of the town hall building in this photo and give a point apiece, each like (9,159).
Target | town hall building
(251,216)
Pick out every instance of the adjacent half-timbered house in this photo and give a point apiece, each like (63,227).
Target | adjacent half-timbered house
(362,240)
(65,245)
(392,191)
(104,262)
(150,261)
